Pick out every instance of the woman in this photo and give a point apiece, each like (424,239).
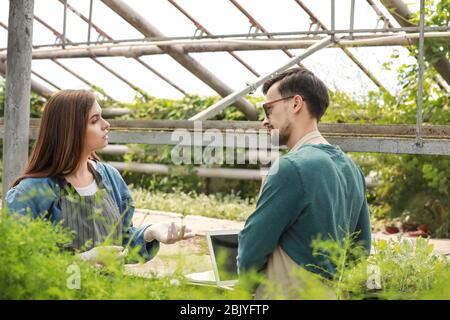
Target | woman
(65,182)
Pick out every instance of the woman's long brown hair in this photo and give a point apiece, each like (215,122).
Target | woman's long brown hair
(62,131)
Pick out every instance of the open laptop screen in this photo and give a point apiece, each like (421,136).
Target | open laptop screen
(225,249)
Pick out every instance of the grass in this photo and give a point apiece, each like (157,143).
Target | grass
(230,207)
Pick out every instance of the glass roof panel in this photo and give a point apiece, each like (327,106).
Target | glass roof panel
(219,17)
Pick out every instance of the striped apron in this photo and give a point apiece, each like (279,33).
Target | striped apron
(92,219)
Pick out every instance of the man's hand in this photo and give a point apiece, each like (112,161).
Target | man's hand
(104,254)
(167,232)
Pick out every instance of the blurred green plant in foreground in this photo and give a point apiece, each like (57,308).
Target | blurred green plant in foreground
(34,266)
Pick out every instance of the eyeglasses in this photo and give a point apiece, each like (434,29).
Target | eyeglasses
(265,105)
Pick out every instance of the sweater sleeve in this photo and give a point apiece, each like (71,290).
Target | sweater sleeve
(279,205)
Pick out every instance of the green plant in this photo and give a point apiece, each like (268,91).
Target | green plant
(417,186)
(396,269)
(34,266)
(408,268)
(227,206)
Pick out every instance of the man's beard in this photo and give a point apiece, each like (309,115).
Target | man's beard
(280,137)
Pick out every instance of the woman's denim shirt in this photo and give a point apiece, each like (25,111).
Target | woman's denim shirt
(40,197)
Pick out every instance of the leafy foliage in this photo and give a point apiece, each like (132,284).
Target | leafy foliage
(34,266)
(222,206)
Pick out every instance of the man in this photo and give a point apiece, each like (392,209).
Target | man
(314,190)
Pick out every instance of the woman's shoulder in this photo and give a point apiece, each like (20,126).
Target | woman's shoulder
(30,183)
(109,174)
(30,188)
(104,167)
(112,179)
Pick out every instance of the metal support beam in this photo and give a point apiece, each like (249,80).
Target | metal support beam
(346,51)
(388,24)
(18,85)
(76,75)
(45,80)
(402,14)
(224,173)
(258,26)
(191,46)
(352,17)
(142,25)
(82,79)
(349,143)
(420,85)
(36,87)
(294,35)
(333,14)
(91,5)
(105,35)
(220,105)
(203,29)
(64,25)
(240,134)
(381,16)
(330,129)
(91,56)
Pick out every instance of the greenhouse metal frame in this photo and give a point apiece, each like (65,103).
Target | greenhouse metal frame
(17,128)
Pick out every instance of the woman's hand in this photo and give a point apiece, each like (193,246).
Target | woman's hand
(167,232)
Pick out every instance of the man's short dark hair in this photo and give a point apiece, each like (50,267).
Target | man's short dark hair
(304,83)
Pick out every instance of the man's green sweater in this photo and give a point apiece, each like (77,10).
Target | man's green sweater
(315,190)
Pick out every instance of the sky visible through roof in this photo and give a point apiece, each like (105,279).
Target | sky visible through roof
(219,17)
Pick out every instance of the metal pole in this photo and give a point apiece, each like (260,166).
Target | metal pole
(220,105)
(18,85)
(332,19)
(104,34)
(244,36)
(399,131)
(64,25)
(402,14)
(36,87)
(90,22)
(258,26)
(45,80)
(91,85)
(92,56)
(202,28)
(44,92)
(145,27)
(352,18)
(135,50)
(419,141)
(389,25)
(346,51)
(63,66)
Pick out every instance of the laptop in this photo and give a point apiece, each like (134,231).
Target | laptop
(223,249)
